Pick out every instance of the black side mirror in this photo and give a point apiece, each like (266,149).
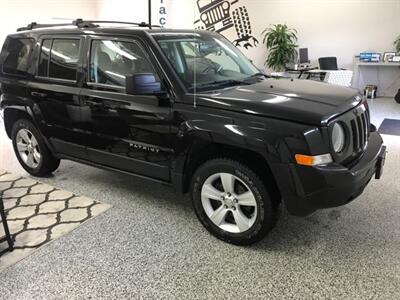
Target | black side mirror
(142,84)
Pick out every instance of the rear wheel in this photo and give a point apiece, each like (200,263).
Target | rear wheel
(31,149)
(232,202)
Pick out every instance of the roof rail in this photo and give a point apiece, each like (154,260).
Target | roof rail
(80,23)
(141,24)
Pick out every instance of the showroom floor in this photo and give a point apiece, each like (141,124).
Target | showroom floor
(150,244)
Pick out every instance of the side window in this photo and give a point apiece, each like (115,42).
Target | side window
(111,61)
(64,56)
(44,58)
(17,55)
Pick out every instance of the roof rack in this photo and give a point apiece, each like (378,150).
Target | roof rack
(80,23)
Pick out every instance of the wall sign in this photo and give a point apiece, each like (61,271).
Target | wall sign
(163,14)
(221,15)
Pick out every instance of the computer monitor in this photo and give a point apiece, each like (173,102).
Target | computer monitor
(303,56)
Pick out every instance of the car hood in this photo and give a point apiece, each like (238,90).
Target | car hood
(304,101)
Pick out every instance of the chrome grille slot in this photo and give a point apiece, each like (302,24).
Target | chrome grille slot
(365,127)
(354,132)
(368,122)
(360,133)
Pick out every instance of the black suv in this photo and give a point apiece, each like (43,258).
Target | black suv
(187,109)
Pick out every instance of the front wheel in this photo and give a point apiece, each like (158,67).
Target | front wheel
(31,149)
(232,202)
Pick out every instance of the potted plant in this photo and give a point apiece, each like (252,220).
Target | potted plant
(397,44)
(281,42)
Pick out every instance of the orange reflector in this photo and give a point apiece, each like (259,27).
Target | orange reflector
(307,160)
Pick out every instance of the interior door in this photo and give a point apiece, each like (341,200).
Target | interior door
(127,132)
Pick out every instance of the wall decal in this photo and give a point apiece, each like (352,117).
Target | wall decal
(163,14)
(221,15)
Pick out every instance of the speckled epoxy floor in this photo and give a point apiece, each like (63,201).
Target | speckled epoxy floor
(150,244)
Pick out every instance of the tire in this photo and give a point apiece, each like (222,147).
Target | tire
(31,149)
(242,22)
(257,215)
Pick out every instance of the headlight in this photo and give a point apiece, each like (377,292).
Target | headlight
(338,138)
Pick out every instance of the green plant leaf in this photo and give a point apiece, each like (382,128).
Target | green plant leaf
(280,41)
(397,44)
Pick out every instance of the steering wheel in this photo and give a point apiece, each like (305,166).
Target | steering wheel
(213,66)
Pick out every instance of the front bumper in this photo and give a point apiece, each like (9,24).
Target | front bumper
(312,188)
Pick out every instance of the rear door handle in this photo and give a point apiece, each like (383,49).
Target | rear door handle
(94,103)
(40,95)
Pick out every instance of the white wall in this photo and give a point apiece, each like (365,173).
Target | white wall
(18,13)
(123,10)
(341,28)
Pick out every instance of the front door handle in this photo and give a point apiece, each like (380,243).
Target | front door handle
(93,103)
(40,95)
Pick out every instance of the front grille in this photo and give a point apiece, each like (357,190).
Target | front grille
(360,129)
(357,125)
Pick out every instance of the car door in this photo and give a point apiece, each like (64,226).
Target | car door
(126,132)
(55,89)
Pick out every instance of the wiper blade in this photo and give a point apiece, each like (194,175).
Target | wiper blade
(257,75)
(221,83)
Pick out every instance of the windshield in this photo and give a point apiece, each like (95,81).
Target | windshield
(205,61)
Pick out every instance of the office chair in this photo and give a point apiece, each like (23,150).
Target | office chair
(328,63)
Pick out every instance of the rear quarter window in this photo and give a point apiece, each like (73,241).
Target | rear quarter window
(16,56)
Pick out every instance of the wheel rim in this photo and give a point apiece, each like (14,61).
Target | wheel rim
(229,203)
(28,148)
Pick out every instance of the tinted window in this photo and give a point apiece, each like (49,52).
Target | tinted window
(17,54)
(64,58)
(44,58)
(111,61)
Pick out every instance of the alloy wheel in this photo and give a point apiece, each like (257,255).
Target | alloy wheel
(228,202)
(28,148)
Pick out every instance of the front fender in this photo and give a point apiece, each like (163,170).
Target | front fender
(274,140)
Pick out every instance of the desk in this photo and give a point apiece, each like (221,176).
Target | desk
(385,75)
(338,77)
(300,70)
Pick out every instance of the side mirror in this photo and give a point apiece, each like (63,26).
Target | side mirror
(142,84)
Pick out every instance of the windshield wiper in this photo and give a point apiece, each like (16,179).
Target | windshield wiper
(257,75)
(229,82)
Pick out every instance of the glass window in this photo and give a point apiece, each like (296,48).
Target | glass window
(111,61)
(205,60)
(64,58)
(17,54)
(44,58)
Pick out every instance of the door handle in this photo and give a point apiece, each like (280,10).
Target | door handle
(93,103)
(40,95)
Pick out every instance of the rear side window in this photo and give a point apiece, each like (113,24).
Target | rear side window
(59,58)
(16,55)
